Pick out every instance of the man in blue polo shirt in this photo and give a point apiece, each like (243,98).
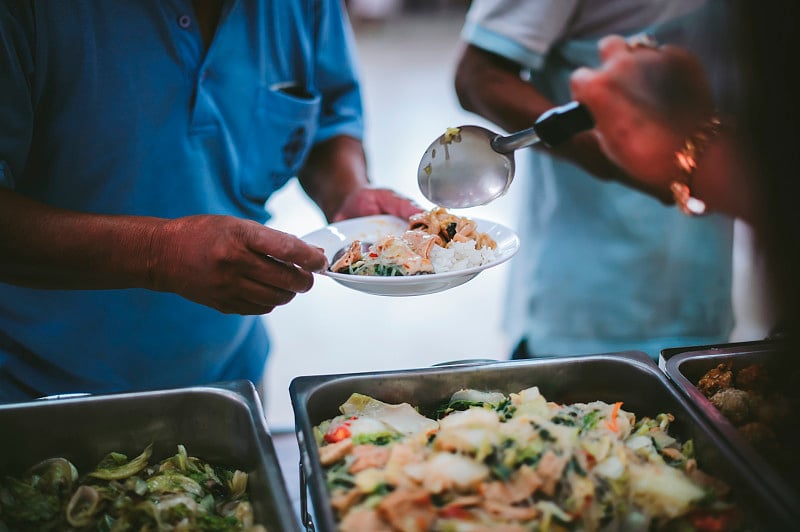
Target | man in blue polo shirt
(139,142)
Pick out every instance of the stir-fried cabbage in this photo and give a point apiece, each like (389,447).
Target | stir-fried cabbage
(179,493)
(515,462)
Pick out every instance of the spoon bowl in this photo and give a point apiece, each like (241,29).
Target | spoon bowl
(469,166)
(461,169)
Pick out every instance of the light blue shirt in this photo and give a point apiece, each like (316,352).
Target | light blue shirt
(602,267)
(114,107)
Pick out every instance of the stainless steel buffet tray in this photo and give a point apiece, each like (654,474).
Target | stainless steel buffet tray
(631,377)
(685,368)
(222,423)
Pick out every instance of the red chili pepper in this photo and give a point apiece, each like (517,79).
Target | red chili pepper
(454,512)
(339,432)
(708,523)
(714,523)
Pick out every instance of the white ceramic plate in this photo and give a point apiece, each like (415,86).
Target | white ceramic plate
(370,228)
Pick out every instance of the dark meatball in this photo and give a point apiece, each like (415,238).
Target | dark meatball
(775,410)
(716,379)
(734,404)
(760,436)
(753,378)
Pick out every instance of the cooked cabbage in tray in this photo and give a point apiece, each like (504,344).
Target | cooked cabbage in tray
(487,461)
(179,493)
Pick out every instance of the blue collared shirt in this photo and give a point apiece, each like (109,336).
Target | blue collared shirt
(117,108)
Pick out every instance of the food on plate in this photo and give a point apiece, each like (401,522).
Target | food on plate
(435,242)
(486,460)
(179,493)
(762,404)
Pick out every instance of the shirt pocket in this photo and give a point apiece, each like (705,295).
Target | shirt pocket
(282,129)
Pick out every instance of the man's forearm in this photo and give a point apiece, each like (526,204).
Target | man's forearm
(491,86)
(333,170)
(45,247)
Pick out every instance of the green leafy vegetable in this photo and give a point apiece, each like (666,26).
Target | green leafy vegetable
(179,493)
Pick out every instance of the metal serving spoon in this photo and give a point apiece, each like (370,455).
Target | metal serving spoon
(469,166)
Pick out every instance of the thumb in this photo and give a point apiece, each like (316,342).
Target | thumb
(578,82)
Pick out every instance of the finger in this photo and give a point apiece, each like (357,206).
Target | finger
(326,265)
(610,46)
(374,201)
(390,202)
(259,294)
(270,272)
(250,297)
(579,82)
(641,41)
(286,248)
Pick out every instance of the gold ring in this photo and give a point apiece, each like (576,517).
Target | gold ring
(642,40)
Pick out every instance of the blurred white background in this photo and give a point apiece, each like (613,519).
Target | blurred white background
(407,65)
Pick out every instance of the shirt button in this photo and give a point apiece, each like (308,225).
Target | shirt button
(184,21)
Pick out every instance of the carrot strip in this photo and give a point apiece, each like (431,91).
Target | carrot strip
(612,422)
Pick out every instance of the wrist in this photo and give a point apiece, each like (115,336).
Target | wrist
(156,237)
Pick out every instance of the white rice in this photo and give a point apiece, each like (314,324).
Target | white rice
(460,256)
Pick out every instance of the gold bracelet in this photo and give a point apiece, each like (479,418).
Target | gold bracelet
(686,159)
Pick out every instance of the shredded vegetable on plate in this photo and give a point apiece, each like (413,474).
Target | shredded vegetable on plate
(435,242)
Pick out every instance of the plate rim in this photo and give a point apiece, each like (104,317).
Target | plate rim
(414,279)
